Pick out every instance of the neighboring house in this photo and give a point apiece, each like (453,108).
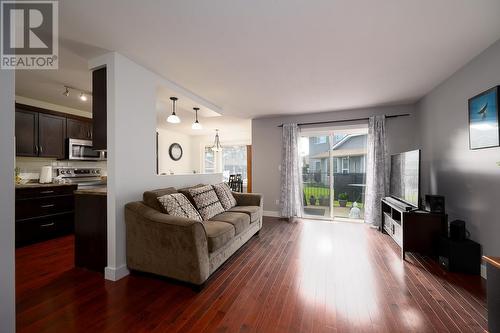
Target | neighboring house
(348,153)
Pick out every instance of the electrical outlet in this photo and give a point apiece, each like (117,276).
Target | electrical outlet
(277,202)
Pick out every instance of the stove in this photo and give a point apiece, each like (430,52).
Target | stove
(83,177)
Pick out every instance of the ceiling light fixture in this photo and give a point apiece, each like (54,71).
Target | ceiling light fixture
(66,91)
(196,125)
(83,97)
(173,118)
(217,146)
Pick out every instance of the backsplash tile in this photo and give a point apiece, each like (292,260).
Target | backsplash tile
(30,166)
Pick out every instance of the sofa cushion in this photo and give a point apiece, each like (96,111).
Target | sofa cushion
(225,195)
(206,201)
(150,198)
(252,211)
(240,221)
(177,204)
(218,234)
(185,191)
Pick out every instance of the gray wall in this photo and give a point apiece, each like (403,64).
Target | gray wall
(7,304)
(469,179)
(266,142)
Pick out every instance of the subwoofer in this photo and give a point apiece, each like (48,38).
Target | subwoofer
(434,203)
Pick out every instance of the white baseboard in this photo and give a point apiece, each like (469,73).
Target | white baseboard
(116,273)
(483,271)
(271,213)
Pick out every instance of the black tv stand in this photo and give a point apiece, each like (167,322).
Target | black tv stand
(412,229)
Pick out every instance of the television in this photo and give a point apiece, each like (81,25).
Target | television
(405,177)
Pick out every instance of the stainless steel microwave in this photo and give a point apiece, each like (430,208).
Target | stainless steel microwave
(81,150)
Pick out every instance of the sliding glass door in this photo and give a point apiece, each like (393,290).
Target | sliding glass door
(333,173)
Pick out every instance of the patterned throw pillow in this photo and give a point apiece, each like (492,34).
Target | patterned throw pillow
(226,198)
(206,201)
(177,204)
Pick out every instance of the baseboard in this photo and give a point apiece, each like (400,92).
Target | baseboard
(483,271)
(115,274)
(271,213)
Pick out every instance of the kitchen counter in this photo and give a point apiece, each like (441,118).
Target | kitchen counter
(36,185)
(93,191)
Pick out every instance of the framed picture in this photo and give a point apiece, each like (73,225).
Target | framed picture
(484,130)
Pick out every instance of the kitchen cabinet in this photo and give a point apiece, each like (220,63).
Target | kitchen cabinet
(99,109)
(51,135)
(43,212)
(26,133)
(78,129)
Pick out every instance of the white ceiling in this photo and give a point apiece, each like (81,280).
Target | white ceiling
(260,58)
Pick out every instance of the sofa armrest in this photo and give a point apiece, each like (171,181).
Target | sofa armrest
(167,245)
(248,199)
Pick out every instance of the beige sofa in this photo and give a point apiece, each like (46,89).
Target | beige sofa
(185,249)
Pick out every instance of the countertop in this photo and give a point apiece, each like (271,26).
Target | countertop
(495,261)
(35,185)
(94,191)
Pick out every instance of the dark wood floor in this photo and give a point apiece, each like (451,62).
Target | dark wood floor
(306,277)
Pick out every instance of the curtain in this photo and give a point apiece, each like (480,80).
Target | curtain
(291,184)
(376,175)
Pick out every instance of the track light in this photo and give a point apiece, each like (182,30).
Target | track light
(173,118)
(66,91)
(196,125)
(83,97)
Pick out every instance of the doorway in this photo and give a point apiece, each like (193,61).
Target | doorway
(334,172)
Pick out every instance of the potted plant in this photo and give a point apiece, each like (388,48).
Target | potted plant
(343,197)
(312,200)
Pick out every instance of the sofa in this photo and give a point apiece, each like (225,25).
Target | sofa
(185,249)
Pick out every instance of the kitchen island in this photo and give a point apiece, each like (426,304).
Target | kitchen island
(91,228)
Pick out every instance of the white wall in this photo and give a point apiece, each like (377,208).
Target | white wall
(7,268)
(131,147)
(266,142)
(469,179)
(165,163)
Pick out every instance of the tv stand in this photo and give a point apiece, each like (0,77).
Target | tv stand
(412,229)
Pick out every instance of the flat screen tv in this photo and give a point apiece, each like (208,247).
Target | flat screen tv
(405,177)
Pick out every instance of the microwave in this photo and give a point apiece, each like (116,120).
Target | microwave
(81,150)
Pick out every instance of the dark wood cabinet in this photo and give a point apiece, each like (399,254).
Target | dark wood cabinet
(91,231)
(26,133)
(43,212)
(51,135)
(99,111)
(78,129)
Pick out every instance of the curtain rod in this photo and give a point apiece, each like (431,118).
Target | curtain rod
(346,120)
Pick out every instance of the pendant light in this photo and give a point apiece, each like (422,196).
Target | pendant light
(196,125)
(173,118)
(217,146)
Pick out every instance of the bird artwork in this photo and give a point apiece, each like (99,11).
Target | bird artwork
(483,111)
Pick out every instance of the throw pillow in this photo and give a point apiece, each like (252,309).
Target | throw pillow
(225,195)
(177,204)
(206,201)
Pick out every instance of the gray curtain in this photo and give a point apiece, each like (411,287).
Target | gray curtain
(291,184)
(376,170)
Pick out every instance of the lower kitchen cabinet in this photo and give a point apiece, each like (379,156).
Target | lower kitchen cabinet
(43,212)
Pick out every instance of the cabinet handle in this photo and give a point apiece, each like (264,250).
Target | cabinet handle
(47,206)
(36,149)
(46,192)
(41,150)
(47,225)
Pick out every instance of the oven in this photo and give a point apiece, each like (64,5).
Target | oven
(81,150)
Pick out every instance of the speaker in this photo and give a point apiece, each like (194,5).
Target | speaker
(434,203)
(457,230)
(460,256)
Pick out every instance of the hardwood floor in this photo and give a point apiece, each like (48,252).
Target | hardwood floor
(309,276)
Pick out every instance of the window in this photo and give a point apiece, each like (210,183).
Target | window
(209,160)
(234,161)
(345,164)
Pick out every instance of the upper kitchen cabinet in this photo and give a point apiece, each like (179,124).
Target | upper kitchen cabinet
(78,129)
(26,133)
(51,135)
(99,112)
